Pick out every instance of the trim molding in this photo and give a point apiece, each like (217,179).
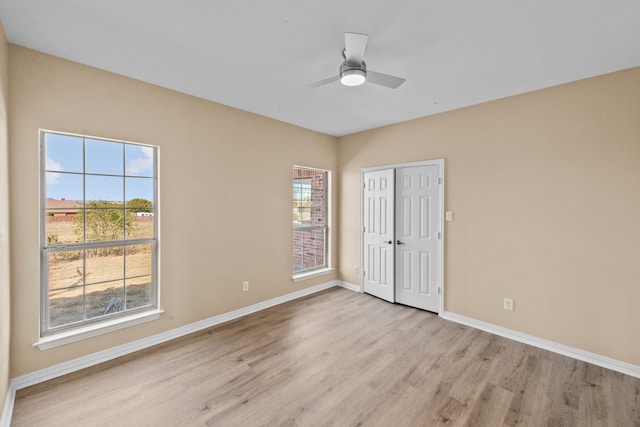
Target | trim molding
(585,356)
(310,274)
(7,410)
(122,350)
(349,286)
(441,200)
(88,331)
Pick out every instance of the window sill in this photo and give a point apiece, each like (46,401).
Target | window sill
(96,329)
(310,274)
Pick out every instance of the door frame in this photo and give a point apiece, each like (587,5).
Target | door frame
(441,182)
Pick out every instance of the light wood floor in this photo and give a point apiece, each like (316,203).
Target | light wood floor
(337,358)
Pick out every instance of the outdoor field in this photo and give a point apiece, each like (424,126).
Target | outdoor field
(82,282)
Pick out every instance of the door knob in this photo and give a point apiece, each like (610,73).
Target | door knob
(398,242)
(389,242)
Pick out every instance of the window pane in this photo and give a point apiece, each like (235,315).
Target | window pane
(139,160)
(64,153)
(140,206)
(140,225)
(105,264)
(63,205)
(308,249)
(63,229)
(302,216)
(66,306)
(105,157)
(301,202)
(139,194)
(96,191)
(105,188)
(65,269)
(317,214)
(138,272)
(138,292)
(64,189)
(138,260)
(104,224)
(105,298)
(309,218)
(309,191)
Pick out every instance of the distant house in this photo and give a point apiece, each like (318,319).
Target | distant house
(62,207)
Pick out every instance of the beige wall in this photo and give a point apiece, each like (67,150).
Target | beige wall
(545,189)
(543,186)
(5,323)
(225,189)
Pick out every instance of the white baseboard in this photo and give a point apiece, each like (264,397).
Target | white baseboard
(7,410)
(122,350)
(585,356)
(350,286)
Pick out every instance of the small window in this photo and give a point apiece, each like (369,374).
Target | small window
(310,223)
(99,230)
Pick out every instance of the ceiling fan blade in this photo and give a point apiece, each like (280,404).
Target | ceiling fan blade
(322,82)
(354,47)
(385,80)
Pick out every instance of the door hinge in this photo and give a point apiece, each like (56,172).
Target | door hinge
(439,290)
(364,273)
(439,180)
(439,235)
(364,185)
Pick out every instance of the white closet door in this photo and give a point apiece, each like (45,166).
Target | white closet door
(417,237)
(378,234)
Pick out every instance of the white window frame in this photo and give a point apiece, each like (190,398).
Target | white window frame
(62,334)
(325,268)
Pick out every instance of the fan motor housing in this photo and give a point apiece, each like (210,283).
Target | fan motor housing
(353,74)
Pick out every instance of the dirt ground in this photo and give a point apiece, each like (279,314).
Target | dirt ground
(103,274)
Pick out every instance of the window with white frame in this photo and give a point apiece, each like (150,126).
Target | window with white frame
(310,223)
(98,230)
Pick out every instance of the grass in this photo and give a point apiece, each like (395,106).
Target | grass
(76,286)
(63,231)
(68,273)
(66,309)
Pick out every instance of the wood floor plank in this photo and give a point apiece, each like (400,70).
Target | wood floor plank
(491,407)
(336,358)
(522,380)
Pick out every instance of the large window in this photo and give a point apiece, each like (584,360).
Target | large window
(98,230)
(309,219)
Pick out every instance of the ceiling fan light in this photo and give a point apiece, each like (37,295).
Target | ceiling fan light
(354,77)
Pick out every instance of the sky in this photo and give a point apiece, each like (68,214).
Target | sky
(111,169)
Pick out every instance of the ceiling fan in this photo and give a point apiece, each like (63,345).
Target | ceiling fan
(353,71)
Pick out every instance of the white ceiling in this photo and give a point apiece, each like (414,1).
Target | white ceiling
(256,55)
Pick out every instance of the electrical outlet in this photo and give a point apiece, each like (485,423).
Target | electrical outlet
(245,286)
(508,304)
(448,216)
